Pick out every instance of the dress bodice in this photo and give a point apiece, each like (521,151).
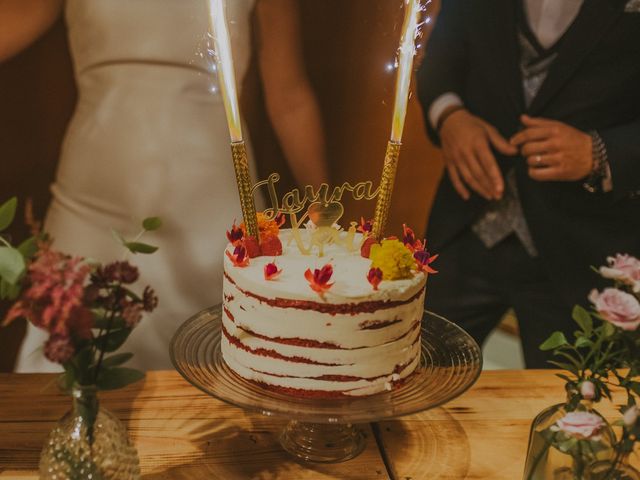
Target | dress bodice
(165,32)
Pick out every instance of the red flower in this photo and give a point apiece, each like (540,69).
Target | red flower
(424,259)
(374,277)
(319,279)
(365,250)
(366,226)
(239,257)
(235,235)
(271,271)
(149,299)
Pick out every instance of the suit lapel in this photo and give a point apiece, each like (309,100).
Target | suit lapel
(501,23)
(594,19)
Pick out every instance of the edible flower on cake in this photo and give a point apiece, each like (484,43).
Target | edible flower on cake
(235,235)
(374,276)
(319,279)
(271,271)
(424,260)
(365,227)
(239,257)
(393,258)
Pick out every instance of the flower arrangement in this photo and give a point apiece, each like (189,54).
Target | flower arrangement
(604,353)
(88,309)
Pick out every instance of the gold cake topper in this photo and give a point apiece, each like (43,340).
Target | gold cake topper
(320,205)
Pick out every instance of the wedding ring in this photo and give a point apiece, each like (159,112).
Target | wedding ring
(537,159)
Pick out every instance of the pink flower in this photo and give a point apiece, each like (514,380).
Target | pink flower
(587,390)
(580,425)
(623,268)
(617,307)
(54,299)
(374,277)
(59,349)
(319,279)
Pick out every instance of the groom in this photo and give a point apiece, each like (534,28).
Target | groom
(536,105)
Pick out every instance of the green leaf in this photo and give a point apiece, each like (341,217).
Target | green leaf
(117,377)
(12,264)
(7,213)
(151,223)
(118,359)
(110,342)
(102,322)
(8,291)
(582,342)
(139,247)
(557,339)
(28,248)
(608,329)
(583,318)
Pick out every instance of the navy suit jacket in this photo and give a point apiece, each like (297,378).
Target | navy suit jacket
(594,84)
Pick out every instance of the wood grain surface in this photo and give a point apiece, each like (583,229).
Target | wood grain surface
(181,433)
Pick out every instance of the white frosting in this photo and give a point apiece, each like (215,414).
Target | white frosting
(370,358)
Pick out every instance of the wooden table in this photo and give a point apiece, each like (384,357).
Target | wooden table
(181,433)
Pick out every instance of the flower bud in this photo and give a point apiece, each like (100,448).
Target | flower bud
(588,390)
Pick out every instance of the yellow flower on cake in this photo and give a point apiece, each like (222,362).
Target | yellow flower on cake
(393,258)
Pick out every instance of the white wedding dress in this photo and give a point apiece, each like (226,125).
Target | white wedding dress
(148,137)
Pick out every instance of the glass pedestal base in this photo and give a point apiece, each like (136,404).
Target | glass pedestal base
(321,430)
(322,442)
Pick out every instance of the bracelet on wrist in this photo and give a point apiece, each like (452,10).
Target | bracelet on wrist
(593,183)
(446,114)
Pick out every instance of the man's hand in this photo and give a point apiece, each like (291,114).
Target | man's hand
(554,150)
(466,147)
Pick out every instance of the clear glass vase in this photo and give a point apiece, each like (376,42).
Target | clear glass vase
(612,470)
(88,442)
(546,462)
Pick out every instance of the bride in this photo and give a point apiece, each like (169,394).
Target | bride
(149,137)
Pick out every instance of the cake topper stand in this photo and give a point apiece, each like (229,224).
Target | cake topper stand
(322,430)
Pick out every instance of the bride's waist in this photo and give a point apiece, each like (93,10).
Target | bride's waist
(146,81)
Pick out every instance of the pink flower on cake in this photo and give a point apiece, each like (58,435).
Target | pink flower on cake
(580,425)
(366,226)
(235,235)
(271,271)
(374,277)
(623,268)
(424,260)
(617,307)
(239,258)
(409,237)
(319,279)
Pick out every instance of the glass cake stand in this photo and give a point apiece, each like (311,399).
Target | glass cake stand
(322,430)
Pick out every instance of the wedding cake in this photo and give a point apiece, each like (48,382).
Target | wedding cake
(343,323)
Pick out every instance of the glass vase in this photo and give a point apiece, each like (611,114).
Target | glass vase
(546,462)
(88,442)
(612,470)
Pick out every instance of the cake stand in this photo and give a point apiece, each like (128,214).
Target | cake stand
(323,430)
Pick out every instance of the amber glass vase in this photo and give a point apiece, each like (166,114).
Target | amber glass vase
(88,442)
(547,462)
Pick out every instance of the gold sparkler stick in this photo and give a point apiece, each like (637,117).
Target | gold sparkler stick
(403,80)
(224,64)
(241,167)
(386,188)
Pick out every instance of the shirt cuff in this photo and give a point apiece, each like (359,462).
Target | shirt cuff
(440,104)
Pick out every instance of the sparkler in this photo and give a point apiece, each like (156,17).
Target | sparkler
(407,50)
